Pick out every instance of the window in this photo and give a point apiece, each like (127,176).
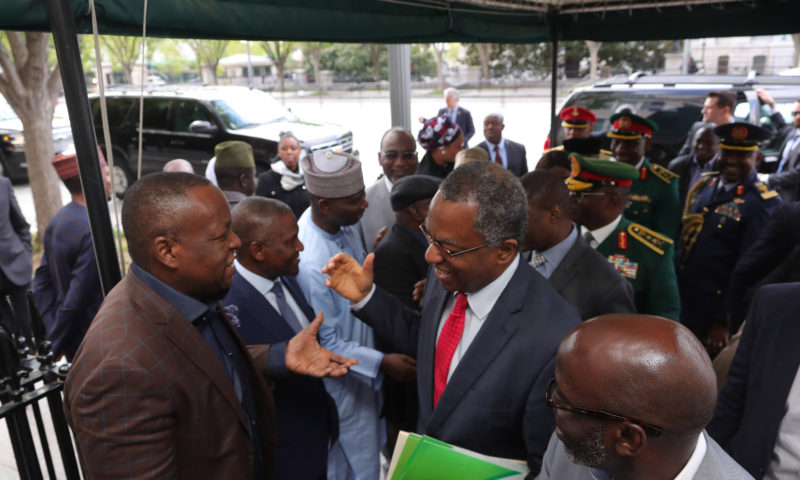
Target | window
(722,64)
(155,114)
(186,112)
(760,64)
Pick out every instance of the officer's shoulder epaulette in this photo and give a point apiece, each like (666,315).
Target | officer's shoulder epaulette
(663,173)
(649,238)
(764,190)
(606,154)
(709,174)
(554,149)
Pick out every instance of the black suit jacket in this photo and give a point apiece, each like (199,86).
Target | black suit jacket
(591,284)
(306,418)
(777,240)
(753,402)
(494,401)
(464,122)
(681,165)
(400,263)
(517,158)
(787,182)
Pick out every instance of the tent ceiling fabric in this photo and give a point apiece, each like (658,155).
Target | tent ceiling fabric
(402,21)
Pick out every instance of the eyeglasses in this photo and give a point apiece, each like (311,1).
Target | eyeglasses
(656,431)
(444,250)
(580,195)
(391,155)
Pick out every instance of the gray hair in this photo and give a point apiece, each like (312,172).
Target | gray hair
(452,92)
(495,114)
(498,194)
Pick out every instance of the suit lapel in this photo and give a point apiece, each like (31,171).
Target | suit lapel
(568,267)
(495,333)
(181,333)
(294,289)
(259,310)
(434,301)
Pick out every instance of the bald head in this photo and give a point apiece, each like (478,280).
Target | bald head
(252,216)
(178,165)
(641,366)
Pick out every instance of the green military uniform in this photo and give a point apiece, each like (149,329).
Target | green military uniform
(654,199)
(645,258)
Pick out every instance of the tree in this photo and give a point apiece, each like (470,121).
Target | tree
(123,51)
(422,62)
(438,52)
(279,51)
(376,49)
(483,53)
(594,49)
(31,84)
(313,52)
(208,54)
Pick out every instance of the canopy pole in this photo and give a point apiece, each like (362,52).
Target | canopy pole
(62,23)
(552,20)
(400,85)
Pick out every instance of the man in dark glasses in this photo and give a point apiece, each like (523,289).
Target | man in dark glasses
(631,396)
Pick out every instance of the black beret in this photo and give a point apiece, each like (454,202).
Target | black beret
(409,189)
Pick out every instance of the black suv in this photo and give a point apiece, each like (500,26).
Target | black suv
(674,102)
(187,122)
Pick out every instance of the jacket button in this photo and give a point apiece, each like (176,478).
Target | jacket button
(719,292)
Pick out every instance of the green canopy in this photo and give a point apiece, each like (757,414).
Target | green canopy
(419,21)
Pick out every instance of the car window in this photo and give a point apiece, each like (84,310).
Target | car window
(186,112)
(155,113)
(117,109)
(250,108)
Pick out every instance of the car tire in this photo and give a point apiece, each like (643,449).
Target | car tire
(122,179)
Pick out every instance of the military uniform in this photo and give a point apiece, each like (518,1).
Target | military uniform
(643,256)
(646,259)
(719,225)
(654,199)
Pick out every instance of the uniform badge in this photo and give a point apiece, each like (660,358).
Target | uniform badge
(740,190)
(739,132)
(643,173)
(575,112)
(730,210)
(624,266)
(641,198)
(622,240)
(624,123)
(575,167)
(712,182)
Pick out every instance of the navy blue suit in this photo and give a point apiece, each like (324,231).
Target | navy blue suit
(307,422)
(494,400)
(731,222)
(753,402)
(67,286)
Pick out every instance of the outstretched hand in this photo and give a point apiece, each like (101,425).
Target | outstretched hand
(304,354)
(348,278)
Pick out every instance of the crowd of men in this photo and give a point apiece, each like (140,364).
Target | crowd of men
(567,316)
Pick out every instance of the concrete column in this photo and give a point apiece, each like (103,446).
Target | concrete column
(400,85)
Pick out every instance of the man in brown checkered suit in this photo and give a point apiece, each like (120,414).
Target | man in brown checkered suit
(162,385)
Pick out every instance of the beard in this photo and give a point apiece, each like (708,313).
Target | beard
(590,450)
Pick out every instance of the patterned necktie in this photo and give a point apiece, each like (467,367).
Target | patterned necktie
(283,306)
(497,158)
(587,235)
(446,345)
(538,262)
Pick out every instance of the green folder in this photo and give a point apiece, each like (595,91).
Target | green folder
(425,458)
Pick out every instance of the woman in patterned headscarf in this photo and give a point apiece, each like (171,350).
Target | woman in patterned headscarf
(284,180)
(442,140)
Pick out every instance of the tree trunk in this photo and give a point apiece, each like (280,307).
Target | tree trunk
(314,56)
(376,62)
(32,90)
(483,52)
(594,48)
(796,55)
(438,51)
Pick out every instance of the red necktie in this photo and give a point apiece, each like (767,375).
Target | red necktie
(446,345)
(497,158)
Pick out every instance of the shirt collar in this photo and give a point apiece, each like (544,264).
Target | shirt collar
(709,165)
(261,284)
(482,301)
(186,305)
(557,252)
(388,183)
(603,232)
(640,164)
(687,473)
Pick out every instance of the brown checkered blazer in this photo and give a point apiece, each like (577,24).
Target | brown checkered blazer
(147,398)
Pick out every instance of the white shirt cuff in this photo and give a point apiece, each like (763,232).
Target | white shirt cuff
(358,306)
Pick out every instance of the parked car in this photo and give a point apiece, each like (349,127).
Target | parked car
(188,121)
(12,140)
(674,102)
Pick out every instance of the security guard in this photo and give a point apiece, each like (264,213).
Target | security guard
(599,190)
(654,193)
(725,213)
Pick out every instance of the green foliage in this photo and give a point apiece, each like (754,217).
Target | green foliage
(423,63)
(352,62)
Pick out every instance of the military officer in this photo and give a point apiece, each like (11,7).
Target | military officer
(725,212)
(599,190)
(578,122)
(654,193)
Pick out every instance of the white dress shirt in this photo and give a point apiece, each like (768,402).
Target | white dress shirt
(599,235)
(264,287)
